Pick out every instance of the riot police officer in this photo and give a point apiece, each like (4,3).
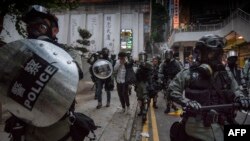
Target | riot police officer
(205,84)
(42,25)
(154,79)
(231,65)
(167,71)
(246,73)
(108,83)
(143,80)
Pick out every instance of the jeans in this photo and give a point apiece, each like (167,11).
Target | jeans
(99,86)
(122,89)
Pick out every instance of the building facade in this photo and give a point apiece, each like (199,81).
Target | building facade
(226,18)
(116,25)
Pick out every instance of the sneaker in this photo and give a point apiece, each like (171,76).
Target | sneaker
(174,107)
(167,110)
(123,110)
(128,110)
(99,106)
(108,104)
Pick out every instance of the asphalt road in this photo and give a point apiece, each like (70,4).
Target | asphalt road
(157,128)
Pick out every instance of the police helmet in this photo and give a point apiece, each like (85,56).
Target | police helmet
(143,57)
(168,54)
(232,56)
(113,56)
(207,44)
(39,11)
(36,18)
(210,41)
(105,52)
(232,53)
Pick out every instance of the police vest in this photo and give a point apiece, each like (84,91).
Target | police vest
(170,69)
(210,91)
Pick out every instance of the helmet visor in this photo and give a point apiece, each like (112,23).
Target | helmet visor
(142,58)
(38,8)
(211,42)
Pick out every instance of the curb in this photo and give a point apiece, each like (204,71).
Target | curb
(131,123)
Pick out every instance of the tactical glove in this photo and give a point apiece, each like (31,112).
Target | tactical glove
(193,105)
(244,102)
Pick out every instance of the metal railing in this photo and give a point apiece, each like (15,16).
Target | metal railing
(244,16)
(211,27)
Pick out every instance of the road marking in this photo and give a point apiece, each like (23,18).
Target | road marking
(145,130)
(154,124)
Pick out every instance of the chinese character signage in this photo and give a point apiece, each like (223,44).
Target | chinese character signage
(92,27)
(176,14)
(109,31)
(29,84)
(76,22)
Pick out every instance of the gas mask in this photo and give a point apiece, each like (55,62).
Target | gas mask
(38,27)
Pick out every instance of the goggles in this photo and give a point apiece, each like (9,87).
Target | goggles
(38,8)
(212,42)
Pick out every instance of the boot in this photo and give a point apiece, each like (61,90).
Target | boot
(140,113)
(167,109)
(155,106)
(99,105)
(174,107)
(108,104)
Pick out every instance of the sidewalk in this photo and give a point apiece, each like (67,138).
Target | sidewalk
(115,126)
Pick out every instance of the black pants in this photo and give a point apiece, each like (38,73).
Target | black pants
(122,89)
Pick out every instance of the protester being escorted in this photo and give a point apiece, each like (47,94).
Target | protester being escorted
(207,83)
(39,22)
(122,87)
(107,83)
(131,61)
(232,66)
(167,71)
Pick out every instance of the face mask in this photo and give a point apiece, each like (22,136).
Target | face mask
(38,29)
